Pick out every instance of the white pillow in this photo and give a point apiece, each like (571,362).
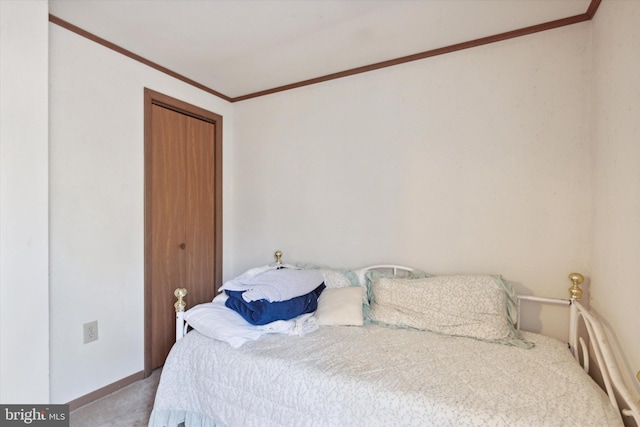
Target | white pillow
(216,321)
(340,306)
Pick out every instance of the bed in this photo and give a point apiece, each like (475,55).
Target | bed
(424,350)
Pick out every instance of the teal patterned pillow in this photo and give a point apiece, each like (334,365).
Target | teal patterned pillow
(373,276)
(480,307)
(333,278)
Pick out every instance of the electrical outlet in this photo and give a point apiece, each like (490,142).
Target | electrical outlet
(90,331)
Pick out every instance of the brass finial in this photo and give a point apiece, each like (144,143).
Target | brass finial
(278,255)
(575,290)
(180,293)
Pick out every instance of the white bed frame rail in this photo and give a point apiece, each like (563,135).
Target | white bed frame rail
(612,380)
(180,305)
(617,390)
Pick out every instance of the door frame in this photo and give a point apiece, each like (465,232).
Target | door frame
(151,98)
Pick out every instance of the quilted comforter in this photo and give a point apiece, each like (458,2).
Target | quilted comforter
(376,376)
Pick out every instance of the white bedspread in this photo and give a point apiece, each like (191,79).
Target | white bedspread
(375,376)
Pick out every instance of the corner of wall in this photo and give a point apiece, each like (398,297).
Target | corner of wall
(24,186)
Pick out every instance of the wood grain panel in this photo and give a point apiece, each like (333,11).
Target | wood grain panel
(189,169)
(200,210)
(168,266)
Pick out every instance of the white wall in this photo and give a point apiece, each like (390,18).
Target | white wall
(616,178)
(472,162)
(97,208)
(24,292)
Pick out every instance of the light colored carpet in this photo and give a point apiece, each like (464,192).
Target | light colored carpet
(127,407)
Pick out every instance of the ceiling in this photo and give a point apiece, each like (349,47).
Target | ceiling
(242,47)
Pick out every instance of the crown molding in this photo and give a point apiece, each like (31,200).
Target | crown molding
(81,32)
(588,15)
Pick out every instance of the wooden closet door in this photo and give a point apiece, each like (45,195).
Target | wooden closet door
(183,214)
(168,228)
(200,209)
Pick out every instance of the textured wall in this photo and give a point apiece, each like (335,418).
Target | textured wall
(616,180)
(472,162)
